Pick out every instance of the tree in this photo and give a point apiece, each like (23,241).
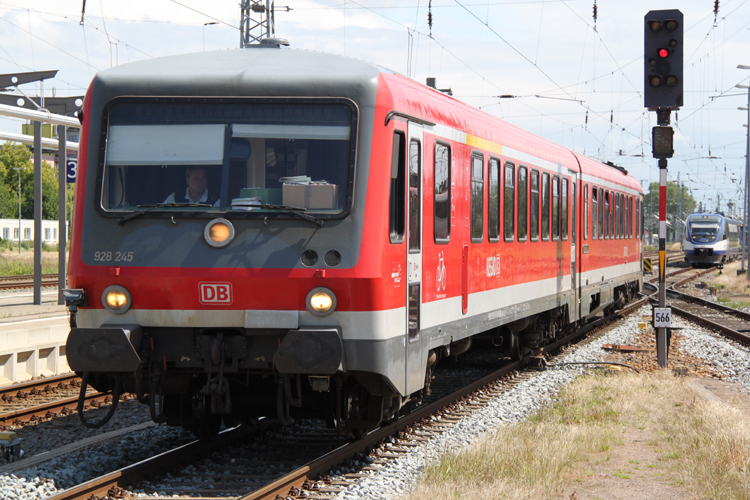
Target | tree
(14,156)
(674,198)
(677,197)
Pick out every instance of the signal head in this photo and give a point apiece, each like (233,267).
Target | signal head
(662,58)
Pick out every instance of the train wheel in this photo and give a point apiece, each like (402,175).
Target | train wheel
(357,405)
(207,425)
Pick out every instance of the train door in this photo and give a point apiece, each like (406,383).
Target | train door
(414,373)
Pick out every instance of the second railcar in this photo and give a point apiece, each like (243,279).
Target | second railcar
(711,238)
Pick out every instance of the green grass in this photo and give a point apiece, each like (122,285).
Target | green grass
(730,303)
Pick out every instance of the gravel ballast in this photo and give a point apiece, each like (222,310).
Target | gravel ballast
(397,477)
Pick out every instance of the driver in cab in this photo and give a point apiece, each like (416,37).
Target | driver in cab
(197,189)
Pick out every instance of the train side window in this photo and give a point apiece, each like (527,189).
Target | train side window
(545,206)
(606,214)
(594,212)
(617,215)
(534,204)
(638,209)
(621,224)
(397,212)
(477,197)
(642,218)
(601,213)
(555,207)
(613,207)
(415,232)
(629,217)
(493,204)
(442,226)
(509,200)
(585,212)
(564,210)
(522,207)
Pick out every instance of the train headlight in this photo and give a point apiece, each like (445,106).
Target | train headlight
(321,301)
(218,233)
(116,299)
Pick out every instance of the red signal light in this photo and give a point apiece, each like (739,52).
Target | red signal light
(663,53)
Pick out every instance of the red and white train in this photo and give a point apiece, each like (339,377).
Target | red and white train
(342,229)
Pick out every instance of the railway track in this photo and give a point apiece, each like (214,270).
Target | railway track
(727,320)
(243,471)
(44,399)
(26,281)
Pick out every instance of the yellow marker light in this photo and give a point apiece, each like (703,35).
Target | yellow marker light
(321,301)
(219,233)
(116,299)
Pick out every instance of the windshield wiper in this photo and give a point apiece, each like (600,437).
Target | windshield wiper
(154,206)
(296,211)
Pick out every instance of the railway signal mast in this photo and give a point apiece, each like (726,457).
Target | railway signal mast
(663,56)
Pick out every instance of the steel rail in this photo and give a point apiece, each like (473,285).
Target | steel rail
(28,387)
(17,277)
(47,409)
(132,474)
(707,322)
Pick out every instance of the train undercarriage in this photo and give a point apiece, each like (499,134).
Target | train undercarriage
(205,378)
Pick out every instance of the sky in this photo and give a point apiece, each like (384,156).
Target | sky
(575,80)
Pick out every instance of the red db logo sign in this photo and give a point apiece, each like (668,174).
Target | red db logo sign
(216,293)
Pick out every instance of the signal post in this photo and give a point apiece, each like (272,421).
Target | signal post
(663,56)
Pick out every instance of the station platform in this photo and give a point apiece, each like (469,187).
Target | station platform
(32,337)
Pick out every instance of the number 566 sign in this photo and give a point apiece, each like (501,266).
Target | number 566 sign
(662,317)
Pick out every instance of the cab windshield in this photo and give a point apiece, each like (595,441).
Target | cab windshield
(233,157)
(704,229)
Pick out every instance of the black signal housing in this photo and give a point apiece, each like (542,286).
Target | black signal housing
(663,59)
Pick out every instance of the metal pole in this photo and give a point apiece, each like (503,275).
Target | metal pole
(19,209)
(661,334)
(747,183)
(37,212)
(62,240)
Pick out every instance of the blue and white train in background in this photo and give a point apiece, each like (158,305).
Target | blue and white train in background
(711,239)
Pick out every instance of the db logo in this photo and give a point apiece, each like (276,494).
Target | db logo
(216,293)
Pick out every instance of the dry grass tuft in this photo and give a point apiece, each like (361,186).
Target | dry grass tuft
(13,263)
(701,446)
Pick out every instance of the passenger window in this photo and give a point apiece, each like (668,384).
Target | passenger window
(493,205)
(555,207)
(442,225)
(606,215)
(414,196)
(545,206)
(397,204)
(509,201)
(611,216)
(522,195)
(477,198)
(602,213)
(534,204)
(594,212)
(585,212)
(564,210)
